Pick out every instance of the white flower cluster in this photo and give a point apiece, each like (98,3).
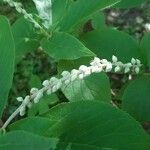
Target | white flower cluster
(44,8)
(28,16)
(133,66)
(97,65)
(54,84)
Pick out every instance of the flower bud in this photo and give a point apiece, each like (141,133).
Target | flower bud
(117,69)
(127,69)
(34,90)
(138,62)
(108,67)
(81,76)
(49,91)
(137,70)
(22,110)
(29,105)
(26,100)
(133,61)
(19,99)
(38,97)
(114,59)
(45,83)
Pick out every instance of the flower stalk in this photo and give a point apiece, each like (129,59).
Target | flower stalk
(28,16)
(51,86)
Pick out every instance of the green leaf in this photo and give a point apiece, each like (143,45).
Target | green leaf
(96,86)
(96,125)
(25,37)
(20,140)
(136,98)
(43,106)
(72,64)
(35,125)
(145,47)
(107,42)
(98,21)
(64,46)
(129,3)
(7,58)
(59,8)
(35,81)
(79,10)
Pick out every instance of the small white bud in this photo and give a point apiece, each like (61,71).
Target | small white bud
(108,67)
(59,84)
(117,69)
(138,62)
(54,89)
(83,68)
(26,100)
(29,105)
(19,99)
(119,63)
(130,77)
(81,76)
(66,77)
(73,77)
(133,61)
(104,61)
(114,59)
(38,97)
(95,62)
(127,69)
(128,65)
(74,74)
(53,81)
(74,71)
(65,73)
(137,70)
(49,91)
(66,82)
(22,110)
(34,90)
(96,69)
(45,83)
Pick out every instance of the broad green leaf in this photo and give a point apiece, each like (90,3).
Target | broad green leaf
(36,125)
(72,64)
(107,42)
(136,98)
(43,106)
(7,58)
(130,3)
(59,9)
(145,46)
(95,124)
(35,81)
(96,86)
(25,38)
(20,140)
(65,46)
(79,10)
(98,21)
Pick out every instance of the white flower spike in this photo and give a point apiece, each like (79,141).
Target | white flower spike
(54,84)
